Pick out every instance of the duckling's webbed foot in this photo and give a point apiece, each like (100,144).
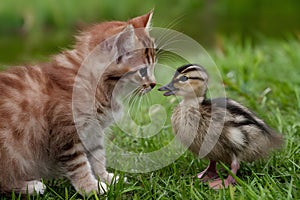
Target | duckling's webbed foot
(219,183)
(210,172)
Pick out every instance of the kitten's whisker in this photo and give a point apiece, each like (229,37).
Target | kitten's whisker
(166,32)
(166,40)
(162,51)
(139,103)
(130,97)
(168,56)
(148,99)
(174,22)
(134,99)
(171,41)
(136,107)
(131,102)
(130,93)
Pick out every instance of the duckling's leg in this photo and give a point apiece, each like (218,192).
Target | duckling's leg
(210,171)
(218,184)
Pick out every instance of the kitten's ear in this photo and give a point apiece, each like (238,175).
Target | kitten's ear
(125,41)
(143,21)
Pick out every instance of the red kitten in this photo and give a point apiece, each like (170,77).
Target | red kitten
(39,135)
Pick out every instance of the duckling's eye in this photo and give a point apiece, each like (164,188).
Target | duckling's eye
(183,78)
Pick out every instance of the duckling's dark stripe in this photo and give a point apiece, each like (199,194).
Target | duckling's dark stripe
(192,69)
(183,69)
(198,78)
(241,123)
(236,110)
(180,69)
(249,119)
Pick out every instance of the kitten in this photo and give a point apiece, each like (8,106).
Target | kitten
(52,115)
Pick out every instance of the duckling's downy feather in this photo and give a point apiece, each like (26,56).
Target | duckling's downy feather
(235,130)
(219,129)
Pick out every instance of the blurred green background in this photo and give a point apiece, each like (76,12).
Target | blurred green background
(255,44)
(32,29)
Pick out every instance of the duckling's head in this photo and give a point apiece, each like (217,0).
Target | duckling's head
(189,81)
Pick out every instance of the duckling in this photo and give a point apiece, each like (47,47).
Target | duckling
(219,129)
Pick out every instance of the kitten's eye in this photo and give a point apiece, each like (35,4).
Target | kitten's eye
(143,72)
(183,78)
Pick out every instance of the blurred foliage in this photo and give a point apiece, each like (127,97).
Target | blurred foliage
(33,27)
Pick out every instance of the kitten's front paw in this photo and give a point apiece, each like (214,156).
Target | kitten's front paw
(103,187)
(35,186)
(112,178)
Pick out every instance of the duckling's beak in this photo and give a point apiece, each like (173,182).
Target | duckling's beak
(169,88)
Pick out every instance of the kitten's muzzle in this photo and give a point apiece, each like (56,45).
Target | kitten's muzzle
(152,85)
(169,88)
(148,87)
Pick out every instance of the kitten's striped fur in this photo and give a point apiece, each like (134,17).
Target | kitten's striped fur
(38,136)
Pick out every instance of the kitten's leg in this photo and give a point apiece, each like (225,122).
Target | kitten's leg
(78,170)
(92,139)
(97,159)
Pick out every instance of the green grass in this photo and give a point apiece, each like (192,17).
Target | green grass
(264,77)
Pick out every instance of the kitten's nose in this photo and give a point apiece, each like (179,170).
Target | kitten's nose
(152,85)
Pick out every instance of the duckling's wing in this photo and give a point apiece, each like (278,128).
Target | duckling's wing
(241,114)
(241,117)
